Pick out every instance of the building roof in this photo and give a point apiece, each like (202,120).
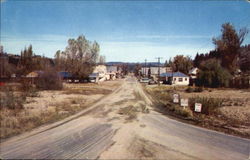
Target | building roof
(173,74)
(93,75)
(193,71)
(34,74)
(64,74)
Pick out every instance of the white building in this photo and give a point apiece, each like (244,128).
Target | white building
(193,73)
(153,70)
(99,74)
(113,72)
(175,78)
(103,72)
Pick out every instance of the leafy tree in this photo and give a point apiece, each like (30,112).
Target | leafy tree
(244,58)
(181,63)
(228,45)
(26,64)
(79,57)
(125,68)
(212,74)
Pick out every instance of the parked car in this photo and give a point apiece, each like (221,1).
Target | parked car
(152,82)
(145,80)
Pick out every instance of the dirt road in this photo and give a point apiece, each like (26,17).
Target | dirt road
(124,125)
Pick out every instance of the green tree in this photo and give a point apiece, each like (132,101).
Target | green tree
(181,63)
(26,62)
(212,74)
(228,45)
(245,58)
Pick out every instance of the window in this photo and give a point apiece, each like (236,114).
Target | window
(186,79)
(174,79)
(180,79)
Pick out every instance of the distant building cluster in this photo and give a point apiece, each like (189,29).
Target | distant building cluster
(167,76)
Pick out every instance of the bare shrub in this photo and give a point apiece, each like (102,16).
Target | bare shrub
(185,112)
(10,100)
(189,90)
(49,80)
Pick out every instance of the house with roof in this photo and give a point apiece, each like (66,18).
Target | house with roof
(193,74)
(175,78)
(152,72)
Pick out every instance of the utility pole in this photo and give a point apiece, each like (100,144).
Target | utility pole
(159,59)
(145,67)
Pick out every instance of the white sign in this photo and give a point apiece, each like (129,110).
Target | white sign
(176,98)
(197,107)
(184,102)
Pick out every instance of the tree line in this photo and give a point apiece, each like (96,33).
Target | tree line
(79,58)
(219,66)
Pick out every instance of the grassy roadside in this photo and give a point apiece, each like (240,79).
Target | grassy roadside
(211,116)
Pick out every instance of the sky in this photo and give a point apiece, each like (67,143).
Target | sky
(127,31)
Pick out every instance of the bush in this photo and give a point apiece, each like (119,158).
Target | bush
(28,89)
(209,105)
(184,112)
(49,80)
(199,89)
(212,74)
(189,90)
(11,101)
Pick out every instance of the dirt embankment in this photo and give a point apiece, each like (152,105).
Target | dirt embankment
(229,108)
(50,106)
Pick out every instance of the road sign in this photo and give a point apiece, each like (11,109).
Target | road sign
(197,107)
(184,102)
(176,98)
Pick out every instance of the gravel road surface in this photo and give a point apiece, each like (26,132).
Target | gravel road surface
(124,125)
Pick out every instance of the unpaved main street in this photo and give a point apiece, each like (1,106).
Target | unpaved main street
(123,125)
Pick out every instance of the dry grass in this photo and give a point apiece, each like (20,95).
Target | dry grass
(42,107)
(17,121)
(86,91)
(209,105)
(226,110)
(162,97)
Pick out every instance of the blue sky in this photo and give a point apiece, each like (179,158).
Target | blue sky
(128,31)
